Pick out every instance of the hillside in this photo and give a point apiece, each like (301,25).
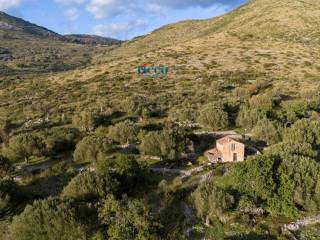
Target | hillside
(111,153)
(12,27)
(28,48)
(91,39)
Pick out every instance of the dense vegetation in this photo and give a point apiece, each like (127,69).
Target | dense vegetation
(80,150)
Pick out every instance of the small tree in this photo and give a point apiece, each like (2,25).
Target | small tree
(267,131)
(248,118)
(166,144)
(128,219)
(86,120)
(90,186)
(214,117)
(89,148)
(125,168)
(124,132)
(24,146)
(49,219)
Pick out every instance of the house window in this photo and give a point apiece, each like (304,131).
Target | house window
(233,147)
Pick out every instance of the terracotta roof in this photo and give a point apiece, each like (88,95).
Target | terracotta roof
(226,139)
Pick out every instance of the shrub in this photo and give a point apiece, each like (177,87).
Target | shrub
(86,120)
(128,219)
(166,144)
(124,132)
(267,131)
(89,148)
(24,146)
(212,202)
(49,219)
(59,140)
(90,186)
(248,118)
(214,117)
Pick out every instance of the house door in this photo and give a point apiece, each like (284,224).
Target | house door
(235,157)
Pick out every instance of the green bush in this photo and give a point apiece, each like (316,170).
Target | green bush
(124,132)
(90,186)
(213,117)
(166,144)
(89,148)
(24,146)
(50,219)
(128,219)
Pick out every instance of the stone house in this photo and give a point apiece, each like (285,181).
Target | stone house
(227,150)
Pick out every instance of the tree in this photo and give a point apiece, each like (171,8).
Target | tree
(267,131)
(24,146)
(89,148)
(214,117)
(212,202)
(183,114)
(262,102)
(48,220)
(166,144)
(248,117)
(125,168)
(128,219)
(304,131)
(124,132)
(5,167)
(90,186)
(59,140)
(86,120)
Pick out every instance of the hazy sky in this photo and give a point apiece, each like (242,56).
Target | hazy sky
(122,19)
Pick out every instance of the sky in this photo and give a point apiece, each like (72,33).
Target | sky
(121,19)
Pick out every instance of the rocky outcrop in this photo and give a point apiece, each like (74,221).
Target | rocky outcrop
(296,226)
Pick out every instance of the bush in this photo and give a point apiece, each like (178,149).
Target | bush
(49,219)
(166,144)
(86,120)
(24,146)
(267,131)
(125,168)
(128,219)
(248,118)
(90,186)
(89,148)
(214,117)
(212,202)
(124,132)
(59,140)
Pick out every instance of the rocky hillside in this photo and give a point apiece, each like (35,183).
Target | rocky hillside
(12,27)
(91,39)
(28,48)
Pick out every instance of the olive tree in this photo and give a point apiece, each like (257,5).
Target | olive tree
(86,120)
(48,220)
(214,117)
(124,132)
(89,148)
(166,144)
(128,219)
(24,146)
(90,186)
